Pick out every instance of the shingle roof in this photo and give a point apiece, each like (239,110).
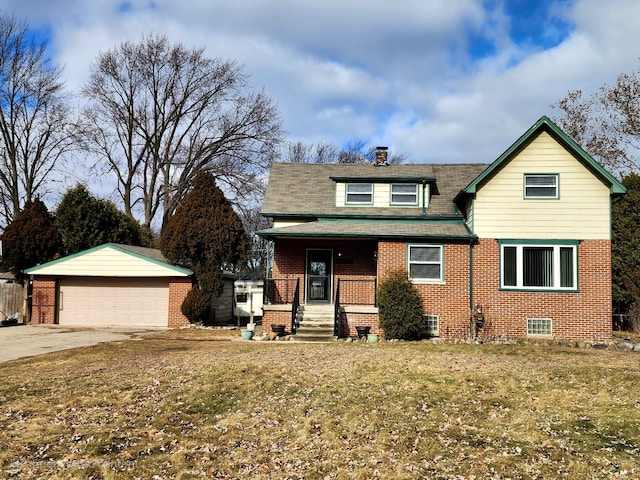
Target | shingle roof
(308,189)
(371,230)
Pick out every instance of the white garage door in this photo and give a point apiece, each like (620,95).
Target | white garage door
(130,302)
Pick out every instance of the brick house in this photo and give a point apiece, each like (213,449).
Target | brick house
(525,239)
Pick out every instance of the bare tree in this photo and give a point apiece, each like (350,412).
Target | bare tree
(35,132)
(606,123)
(159,113)
(355,152)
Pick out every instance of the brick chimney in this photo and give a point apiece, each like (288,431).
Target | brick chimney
(381,156)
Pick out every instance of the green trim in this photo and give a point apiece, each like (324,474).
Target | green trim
(545,243)
(410,220)
(400,204)
(34,270)
(357,216)
(515,241)
(339,179)
(544,124)
(524,186)
(358,204)
(267,234)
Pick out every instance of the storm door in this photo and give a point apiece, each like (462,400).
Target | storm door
(319,273)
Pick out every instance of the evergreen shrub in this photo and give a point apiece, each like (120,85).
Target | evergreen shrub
(400,308)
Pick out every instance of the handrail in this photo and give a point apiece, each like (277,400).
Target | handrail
(294,307)
(280,291)
(336,312)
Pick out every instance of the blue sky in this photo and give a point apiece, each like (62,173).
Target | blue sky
(439,80)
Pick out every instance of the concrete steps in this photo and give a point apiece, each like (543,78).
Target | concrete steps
(315,324)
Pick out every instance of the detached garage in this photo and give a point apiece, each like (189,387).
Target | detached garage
(110,285)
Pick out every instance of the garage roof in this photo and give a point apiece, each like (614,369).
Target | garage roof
(112,260)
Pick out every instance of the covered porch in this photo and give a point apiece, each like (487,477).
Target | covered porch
(313,278)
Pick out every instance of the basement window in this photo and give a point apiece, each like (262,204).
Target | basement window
(540,327)
(431,324)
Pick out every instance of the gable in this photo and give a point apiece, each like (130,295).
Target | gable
(581,209)
(111,260)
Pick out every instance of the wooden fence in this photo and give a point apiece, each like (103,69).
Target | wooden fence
(11,299)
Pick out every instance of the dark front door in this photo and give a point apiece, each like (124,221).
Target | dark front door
(319,275)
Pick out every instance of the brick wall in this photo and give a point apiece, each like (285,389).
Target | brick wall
(448,300)
(178,289)
(43,300)
(582,315)
(275,317)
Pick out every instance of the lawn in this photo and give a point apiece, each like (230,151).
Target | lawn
(190,404)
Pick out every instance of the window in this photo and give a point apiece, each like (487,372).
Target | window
(431,323)
(540,186)
(425,262)
(539,267)
(539,326)
(359,193)
(404,194)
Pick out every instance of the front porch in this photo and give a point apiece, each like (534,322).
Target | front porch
(354,305)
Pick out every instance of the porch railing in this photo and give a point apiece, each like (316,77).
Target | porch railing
(283,291)
(353,292)
(280,291)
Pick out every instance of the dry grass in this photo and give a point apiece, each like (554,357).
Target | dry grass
(186,404)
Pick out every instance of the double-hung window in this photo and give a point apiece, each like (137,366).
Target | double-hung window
(540,186)
(404,194)
(425,263)
(359,193)
(539,266)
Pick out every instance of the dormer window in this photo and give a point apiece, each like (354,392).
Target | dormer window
(540,186)
(404,194)
(359,193)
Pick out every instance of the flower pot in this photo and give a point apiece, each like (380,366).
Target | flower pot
(372,338)
(278,329)
(363,331)
(246,334)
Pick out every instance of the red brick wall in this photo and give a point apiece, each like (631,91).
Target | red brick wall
(275,317)
(349,322)
(448,300)
(582,315)
(43,300)
(356,263)
(178,289)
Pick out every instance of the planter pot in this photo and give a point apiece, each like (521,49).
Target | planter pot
(279,330)
(246,334)
(363,331)
(372,338)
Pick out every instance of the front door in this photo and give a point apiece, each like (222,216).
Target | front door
(319,275)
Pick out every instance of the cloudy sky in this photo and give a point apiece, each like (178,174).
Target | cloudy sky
(439,80)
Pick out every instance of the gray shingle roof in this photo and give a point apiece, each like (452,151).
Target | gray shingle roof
(391,229)
(308,189)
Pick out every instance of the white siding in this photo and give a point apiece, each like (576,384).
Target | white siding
(285,223)
(381,196)
(581,212)
(108,262)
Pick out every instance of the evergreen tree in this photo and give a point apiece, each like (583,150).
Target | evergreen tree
(625,251)
(86,222)
(30,239)
(205,235)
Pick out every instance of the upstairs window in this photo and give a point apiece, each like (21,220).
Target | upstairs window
(541,186)
(359,193)
(539,267)
(404,194)
(425,263)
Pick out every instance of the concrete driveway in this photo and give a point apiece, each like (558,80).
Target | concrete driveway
(28,340)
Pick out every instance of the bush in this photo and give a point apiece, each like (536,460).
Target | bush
(196,305)
(400,308)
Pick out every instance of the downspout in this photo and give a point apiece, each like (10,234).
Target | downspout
(470,286)
(424,196)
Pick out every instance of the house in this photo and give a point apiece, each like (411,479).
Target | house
(110,285)
(517,248)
